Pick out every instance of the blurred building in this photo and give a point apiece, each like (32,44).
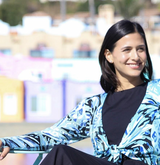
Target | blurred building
(53,57)
(155,1)
(45,37)
(37,21)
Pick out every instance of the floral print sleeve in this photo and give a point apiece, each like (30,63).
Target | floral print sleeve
(141,139)
(72,128)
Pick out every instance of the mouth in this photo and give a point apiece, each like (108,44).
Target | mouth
(134,65)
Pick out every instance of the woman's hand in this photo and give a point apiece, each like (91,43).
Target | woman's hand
(4,151)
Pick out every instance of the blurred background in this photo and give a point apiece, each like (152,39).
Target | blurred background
(49,58)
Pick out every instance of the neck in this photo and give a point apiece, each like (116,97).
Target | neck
(129,84)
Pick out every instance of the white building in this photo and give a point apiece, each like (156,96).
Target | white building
(37,21)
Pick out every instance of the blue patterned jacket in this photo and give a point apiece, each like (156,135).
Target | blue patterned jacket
(141,140)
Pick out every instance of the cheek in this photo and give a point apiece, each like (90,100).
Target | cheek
(123,57)
(120,57)
(144,57)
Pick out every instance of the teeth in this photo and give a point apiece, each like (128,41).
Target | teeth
(134,64)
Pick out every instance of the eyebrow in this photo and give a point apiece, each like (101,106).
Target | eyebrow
(125,47)
(141,45)
(131,46)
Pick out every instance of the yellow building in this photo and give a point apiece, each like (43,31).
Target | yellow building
(65,47)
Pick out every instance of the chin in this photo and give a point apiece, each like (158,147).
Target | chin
(130,76)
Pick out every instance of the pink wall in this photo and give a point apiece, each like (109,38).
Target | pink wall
(14,67)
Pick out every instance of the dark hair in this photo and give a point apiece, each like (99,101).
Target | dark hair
(109,80)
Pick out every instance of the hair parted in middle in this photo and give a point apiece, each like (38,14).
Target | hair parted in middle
(109,80)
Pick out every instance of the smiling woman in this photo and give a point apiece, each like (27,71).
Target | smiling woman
(122,122)
(124,57)
(129,59)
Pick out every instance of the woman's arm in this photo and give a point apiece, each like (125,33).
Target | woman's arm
(4,151)
(74,127)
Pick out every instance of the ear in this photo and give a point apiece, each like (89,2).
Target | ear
(108,56)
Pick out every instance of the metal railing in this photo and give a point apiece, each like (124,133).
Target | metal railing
(39,157)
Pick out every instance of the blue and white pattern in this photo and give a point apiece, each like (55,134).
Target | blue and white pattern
(141,140)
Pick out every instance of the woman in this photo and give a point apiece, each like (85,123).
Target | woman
(123,122)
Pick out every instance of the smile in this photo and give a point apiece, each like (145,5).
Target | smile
(134,65)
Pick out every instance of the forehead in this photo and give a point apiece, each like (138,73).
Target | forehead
(132,39)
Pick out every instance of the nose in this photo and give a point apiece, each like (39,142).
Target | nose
(135,55)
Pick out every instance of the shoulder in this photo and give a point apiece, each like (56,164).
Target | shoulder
(155,82)
(99,97)
(154,86)
(95,100)
(87,106)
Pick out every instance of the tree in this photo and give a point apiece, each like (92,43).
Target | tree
(128,8)
(84,6)
(12,11)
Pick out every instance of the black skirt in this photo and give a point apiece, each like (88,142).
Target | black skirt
(66,155)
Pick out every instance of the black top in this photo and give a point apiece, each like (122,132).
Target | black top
(118,109)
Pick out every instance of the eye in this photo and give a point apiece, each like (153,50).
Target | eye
(126,50)
(141,49)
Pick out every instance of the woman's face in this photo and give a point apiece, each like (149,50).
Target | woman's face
(128,57)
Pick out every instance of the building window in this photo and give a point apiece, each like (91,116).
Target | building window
(7,52)
(84,51)
(42,51)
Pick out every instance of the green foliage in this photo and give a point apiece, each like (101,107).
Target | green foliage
(84,6)
(158,6)
(12,11)
(128,8)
